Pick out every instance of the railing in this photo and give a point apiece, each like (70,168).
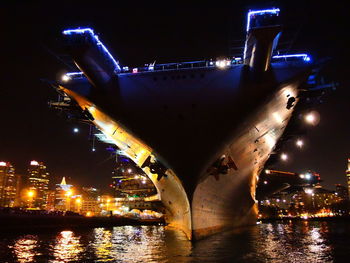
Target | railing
(184,65)
(87,35)
(221,64)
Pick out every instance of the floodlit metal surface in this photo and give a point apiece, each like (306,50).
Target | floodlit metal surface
(169,188)
(228,200)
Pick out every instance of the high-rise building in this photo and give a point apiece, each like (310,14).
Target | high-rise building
(348,176)
(38,180)
(50,206)
(63,192)
(8,185)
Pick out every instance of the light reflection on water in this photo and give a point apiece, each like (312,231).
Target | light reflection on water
(271,242)
(67,247)
(25,248)
(294,243)
(139,244)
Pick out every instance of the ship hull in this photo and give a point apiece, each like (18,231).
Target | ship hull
(212,129)
(226,199)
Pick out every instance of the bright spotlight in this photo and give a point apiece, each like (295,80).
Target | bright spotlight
(308,176)
(65,78)
(75,130)
(309,191)
(284,157)
(312,118)
(299,143)
(222,63)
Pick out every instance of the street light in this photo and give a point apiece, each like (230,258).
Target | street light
(30,194)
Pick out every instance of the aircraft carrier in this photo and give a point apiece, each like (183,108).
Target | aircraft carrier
(203,130)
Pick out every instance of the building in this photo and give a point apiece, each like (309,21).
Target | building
(275,181)
(318,198)
(90,203)
(342,192)
(128,180)
(51,200)
(63,191)
(139,203)
(9,185)
(281,200)
(348,176)
(38,180)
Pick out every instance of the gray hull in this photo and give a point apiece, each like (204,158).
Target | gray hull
(212,129)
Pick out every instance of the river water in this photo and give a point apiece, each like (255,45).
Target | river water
(303,241)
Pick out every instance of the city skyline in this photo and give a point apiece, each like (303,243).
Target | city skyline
(33,131)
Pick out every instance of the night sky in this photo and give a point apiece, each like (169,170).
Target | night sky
(141,33)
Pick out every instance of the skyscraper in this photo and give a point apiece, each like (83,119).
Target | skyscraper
(63,192)
(38,179)
(8,184)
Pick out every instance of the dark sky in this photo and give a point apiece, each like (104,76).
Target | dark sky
(141,33)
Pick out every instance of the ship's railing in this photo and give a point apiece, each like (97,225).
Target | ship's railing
(262,18)
(223,63)
(292,57)
(80,36)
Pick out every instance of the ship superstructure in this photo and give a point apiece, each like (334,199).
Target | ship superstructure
(201,131)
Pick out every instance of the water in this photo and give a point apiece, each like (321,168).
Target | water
(269,242)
